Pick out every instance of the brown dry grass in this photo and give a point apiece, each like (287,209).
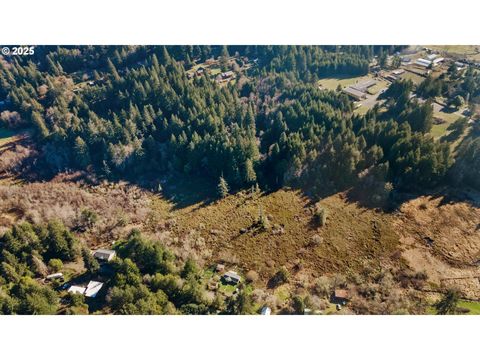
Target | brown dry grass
(226,231)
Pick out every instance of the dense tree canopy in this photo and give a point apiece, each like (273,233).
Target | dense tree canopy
(133,112)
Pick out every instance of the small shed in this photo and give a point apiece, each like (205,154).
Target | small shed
(266,311)
(93,288)
(220,268)
(341,296)
(231,277)
(104,255)
(55,276)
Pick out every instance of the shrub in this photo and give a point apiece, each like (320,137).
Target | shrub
(281,276)
(323,287)
(320,214)
(315,240)
(251,276)
(55,265)
(298,304)
(263,221)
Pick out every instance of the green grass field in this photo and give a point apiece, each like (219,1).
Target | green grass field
(473,306)
(441,129)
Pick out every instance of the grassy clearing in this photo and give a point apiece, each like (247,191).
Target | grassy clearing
(438,130)
(229,231)
(473,306)
(469,51)
(343,81)
(361,110)
(416,79)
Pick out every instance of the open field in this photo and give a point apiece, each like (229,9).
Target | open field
(438,130)
(469,51)
(343,81)
(416,79)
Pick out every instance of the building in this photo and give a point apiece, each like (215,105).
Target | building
(93,288)
(460,65)
(227,75)
(354,93)
(398,72)
(423,62)
(77,289)
(266,311)
(364,86)
(58,275)
(438,61)
(341,296)
(104,255)
(231,277)
(432,56)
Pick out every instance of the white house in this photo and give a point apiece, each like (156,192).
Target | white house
(93,288)
(104,255)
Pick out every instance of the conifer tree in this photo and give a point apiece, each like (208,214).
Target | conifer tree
(222,187)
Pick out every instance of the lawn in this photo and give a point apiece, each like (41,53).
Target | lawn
(342,80)
(473,306)
(416,79)
(441,129)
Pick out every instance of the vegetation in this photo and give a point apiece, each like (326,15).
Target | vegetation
(165,139)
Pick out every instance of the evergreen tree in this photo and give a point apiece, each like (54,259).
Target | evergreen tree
(222,187)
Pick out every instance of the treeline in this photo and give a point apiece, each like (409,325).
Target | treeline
(313,137)
(273,127)
(27,252)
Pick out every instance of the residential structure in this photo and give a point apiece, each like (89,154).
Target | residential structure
(76,289)
(104,255)
(93,288)
(341,296)
(231,277)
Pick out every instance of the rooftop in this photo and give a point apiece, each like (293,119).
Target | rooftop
(76,289)
(93,288)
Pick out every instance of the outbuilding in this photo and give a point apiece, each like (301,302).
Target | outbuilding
(231,277)
(423,62)
(266,311)
(55,276)
(341,296)
(354,93)
(104,255)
